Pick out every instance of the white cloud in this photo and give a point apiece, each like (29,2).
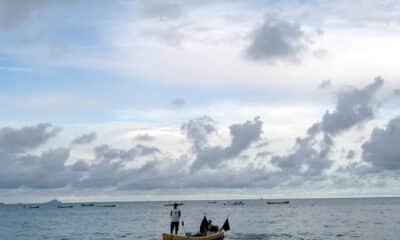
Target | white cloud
(204,46)
(14,69)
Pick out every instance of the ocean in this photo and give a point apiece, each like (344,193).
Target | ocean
(361,218)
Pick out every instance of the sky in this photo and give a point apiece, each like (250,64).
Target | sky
(173,100)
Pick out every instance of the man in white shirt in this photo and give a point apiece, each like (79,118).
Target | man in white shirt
(175,216)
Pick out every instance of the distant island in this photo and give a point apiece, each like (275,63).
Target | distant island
(54,202)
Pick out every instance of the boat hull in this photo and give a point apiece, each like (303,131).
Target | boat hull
(278,202)
(216,236)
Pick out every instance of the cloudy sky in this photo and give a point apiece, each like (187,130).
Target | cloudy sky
(151,100)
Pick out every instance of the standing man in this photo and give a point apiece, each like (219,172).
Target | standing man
(175,216)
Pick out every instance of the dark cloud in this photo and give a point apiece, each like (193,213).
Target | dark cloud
(109,169)
(178,103)
(41,24)
(26,138)
(37,13)
(21,168)
(277,40)
(362,172)
(85,138)
(353,106)
(247,177)
(310,156)
(107,153)
(80,166)
(222,178)
(242,136)
(382,149)
(50,169)
(144,138)
(350,154)
(159,9)
(325,84)
(46,170)
(198,130)
(104,173)
(143,150)
(15,12)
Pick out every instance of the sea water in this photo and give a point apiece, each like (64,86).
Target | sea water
(366,219)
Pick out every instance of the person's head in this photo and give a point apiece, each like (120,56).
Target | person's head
(175,205)
(209,221)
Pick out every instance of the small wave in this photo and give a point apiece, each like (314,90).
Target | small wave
(263,236)
(125,235)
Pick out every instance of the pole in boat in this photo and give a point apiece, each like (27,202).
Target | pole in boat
(183,226)
(226,227)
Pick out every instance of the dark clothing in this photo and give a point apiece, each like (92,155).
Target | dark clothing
(212,228)
(226,226)
(204,226)
(174,225)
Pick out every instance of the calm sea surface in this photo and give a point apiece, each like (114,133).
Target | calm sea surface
(367,219)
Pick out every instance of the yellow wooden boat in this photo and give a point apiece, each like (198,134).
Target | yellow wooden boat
(214,236)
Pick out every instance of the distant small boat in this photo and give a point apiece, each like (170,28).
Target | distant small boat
(107,205)
(237,203)
(172,204)
(240,203)
(33,206)
(87,205)
(66,206)
(278,202)
(212,202)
